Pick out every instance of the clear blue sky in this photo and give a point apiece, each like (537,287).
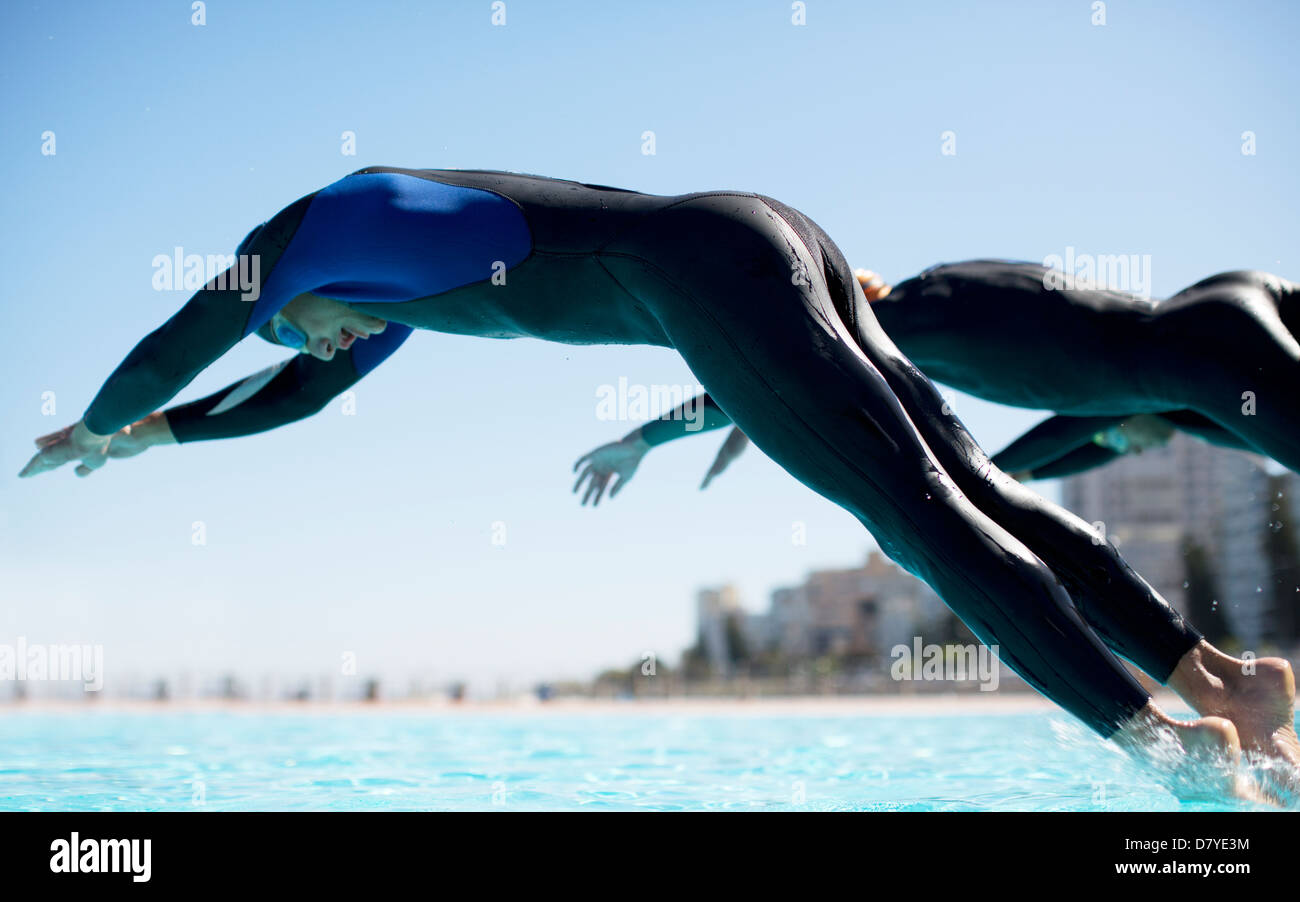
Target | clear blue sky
(372,533)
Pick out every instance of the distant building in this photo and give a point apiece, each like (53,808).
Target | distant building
(1219,498)
(862,611)
(713,609)
(1251,506)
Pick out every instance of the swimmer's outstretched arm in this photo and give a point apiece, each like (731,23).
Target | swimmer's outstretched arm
(284,393)
(167,359)
(289,391)
(1085,457)
(732,447)
(164,362)
(1064,445)
(621,458)
(1049,441)
(210,323)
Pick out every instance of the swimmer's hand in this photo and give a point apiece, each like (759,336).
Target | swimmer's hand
(732,448)
(77,443)
(619,459)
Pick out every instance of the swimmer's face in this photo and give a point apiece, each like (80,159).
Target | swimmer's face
(329,325)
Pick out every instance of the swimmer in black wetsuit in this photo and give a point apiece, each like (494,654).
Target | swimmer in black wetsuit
(1217,360)
(762,306)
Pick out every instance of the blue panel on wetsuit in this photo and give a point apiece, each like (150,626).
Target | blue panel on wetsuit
(390,237)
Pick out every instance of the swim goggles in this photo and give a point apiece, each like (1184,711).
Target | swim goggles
(287,334)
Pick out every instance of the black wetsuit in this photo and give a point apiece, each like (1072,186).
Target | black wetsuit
(1006,332)
(766,312)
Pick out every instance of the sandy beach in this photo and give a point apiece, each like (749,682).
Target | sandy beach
(928,705)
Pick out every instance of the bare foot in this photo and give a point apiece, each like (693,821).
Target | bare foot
(1258,696)
(1196,757)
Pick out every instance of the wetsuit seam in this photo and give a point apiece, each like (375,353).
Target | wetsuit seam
(850,314)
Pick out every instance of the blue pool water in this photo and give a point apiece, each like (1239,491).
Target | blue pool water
(90,760)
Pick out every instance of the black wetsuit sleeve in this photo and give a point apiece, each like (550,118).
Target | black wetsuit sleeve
(1051,440)
(698,415)
(284,393)
(167,359)
(211,322)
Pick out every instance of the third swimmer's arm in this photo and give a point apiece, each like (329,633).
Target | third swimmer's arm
(621,458)
(1051,440)
(1078,460)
